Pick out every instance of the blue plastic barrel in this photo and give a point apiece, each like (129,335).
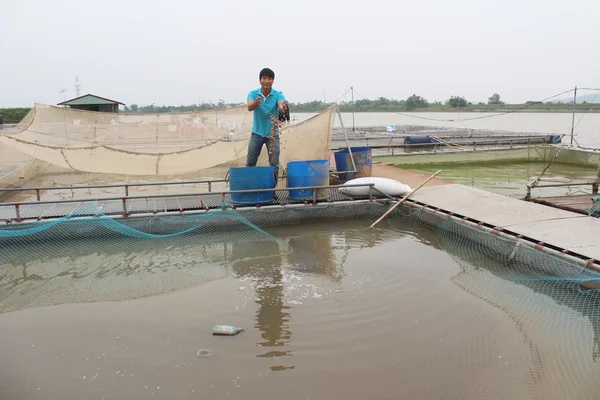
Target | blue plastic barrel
(419,140)
(363,159)
(248,178)
(308,173)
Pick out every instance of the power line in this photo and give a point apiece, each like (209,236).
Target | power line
(345,93)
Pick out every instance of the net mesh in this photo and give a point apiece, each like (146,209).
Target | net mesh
(98,258)
(548,297)
(88,256)
(68,146)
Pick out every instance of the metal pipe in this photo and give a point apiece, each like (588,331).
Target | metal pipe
(353,126)
(565,184)
(109,186)
(199,211)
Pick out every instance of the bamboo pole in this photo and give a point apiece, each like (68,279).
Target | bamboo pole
(404,199)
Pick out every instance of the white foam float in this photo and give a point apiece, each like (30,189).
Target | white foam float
(388,186)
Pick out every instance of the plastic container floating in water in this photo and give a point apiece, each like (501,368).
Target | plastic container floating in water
(248,178)
(204,353)
(308,173)
(363,158)
(226,330)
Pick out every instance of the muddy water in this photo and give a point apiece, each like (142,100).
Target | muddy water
(342,313)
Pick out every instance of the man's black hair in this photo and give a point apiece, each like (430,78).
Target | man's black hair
(268,72)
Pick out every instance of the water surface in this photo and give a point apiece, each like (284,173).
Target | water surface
(511,179)
(331,311)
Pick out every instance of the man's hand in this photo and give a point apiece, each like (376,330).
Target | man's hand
(252,104)
(282,105)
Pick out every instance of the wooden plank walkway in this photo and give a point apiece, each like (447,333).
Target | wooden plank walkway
(578,203)
(561,228)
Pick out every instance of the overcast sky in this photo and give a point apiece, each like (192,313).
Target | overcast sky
(181,52)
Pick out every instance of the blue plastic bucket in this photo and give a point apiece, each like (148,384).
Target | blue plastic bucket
(363,159)
(308,173)
(248,178)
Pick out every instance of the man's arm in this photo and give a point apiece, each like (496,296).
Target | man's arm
(281,102)
(253,103)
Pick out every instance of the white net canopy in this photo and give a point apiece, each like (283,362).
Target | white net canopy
(157,144)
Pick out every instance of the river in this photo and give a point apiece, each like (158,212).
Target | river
(587,126)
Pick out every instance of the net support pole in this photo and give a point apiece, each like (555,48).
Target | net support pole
(573,121)
(597,181)
(404,199)
(337,108)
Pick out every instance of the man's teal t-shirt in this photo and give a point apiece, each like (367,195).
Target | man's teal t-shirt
(262,115)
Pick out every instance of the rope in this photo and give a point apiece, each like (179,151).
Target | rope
(593,210)
(585,112)
(536,181)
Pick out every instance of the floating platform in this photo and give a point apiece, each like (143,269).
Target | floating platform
(565,232)
(578,203)
(561,232)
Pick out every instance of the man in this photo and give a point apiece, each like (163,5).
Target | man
(266,103)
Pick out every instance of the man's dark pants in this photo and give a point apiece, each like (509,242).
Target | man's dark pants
(255,146)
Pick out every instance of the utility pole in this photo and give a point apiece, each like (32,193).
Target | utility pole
(77,87)
(352,88)
(573,122)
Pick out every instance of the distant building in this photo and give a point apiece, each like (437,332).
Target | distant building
(92,102)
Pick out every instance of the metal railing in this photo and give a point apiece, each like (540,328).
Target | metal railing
(535,185)
(444,143)
(125,186)
(124,200)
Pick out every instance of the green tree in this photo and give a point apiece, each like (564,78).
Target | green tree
(456,102)
(415,101)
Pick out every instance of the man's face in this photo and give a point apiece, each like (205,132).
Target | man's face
(266,82)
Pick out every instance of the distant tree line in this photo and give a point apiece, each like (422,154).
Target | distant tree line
(381,104)
(13,115)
